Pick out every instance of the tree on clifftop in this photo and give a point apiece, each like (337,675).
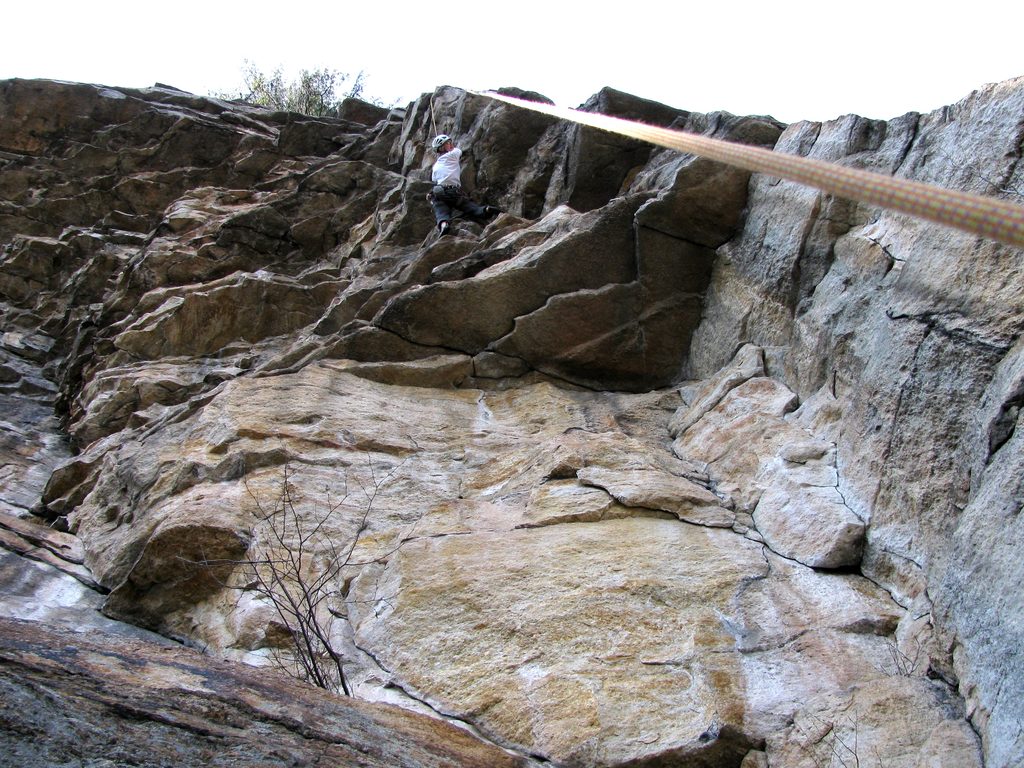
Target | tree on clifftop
(315,92)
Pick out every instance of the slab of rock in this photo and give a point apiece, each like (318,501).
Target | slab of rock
(470,314)
(31,447)
(802,514)
(456,461)
(738,435)
(772,467)
(119,396)
(623,640)
(748,363)
(82,699)
(205,319)
(529,556)
(661,491)
(436,371)
(566,501)
(28,538)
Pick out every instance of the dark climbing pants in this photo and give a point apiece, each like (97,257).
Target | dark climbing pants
(445,200)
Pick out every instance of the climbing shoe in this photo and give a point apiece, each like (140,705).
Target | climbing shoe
(443,227)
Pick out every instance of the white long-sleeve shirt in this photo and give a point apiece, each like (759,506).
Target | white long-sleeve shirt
(448,168)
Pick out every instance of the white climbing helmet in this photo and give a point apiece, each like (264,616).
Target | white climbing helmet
(439,141)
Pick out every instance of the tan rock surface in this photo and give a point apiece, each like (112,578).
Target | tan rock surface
(487,493)
(663,492)
(596,643)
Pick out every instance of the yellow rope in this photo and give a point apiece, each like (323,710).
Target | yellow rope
(985,216)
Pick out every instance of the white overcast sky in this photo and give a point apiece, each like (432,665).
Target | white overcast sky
(793,59)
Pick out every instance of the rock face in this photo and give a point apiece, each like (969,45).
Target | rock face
(624,640)
(667,465)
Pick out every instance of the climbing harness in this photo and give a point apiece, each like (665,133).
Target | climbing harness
(985,216)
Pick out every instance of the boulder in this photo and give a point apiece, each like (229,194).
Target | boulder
(660,491)
(359,111)
(802,515)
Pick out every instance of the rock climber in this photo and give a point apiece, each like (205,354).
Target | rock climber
(447,195)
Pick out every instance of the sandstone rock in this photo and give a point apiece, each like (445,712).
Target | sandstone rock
(491,365)
(497,296)
(548,657)
(438,371)
(330,414)
(617,336)
(756,430)
(31,448)
(36,542)
(699,200)
(249,424)
(599,167)
(771,467)
(359,111)
(117,397)
(201,322)
(566,501)
(802,514)
(58,592)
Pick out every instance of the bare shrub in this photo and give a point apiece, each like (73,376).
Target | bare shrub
(295,561)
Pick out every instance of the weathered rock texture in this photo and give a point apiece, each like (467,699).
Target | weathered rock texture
(97,699)
(667,465)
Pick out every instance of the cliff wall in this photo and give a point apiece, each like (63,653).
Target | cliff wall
(667,464)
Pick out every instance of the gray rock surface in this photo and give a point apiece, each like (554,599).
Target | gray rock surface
(901,340)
